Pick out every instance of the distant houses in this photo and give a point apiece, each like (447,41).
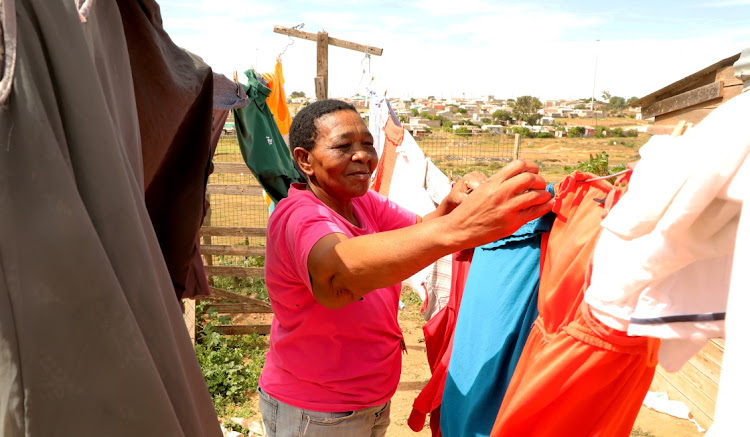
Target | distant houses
(421,116)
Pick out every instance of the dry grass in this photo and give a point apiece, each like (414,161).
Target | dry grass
(555,156)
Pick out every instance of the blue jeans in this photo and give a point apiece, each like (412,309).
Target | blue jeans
(283,420)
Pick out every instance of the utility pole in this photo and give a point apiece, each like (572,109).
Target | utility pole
(323,40)
(596,60)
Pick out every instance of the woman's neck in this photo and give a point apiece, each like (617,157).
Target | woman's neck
(343,208)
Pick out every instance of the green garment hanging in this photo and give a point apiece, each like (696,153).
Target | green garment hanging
(263,148)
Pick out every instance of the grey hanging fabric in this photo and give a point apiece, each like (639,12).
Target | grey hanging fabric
(227,94)
(92,340)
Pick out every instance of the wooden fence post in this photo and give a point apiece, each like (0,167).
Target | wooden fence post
(190,318)
(517,147)
(322,94)
(208,259)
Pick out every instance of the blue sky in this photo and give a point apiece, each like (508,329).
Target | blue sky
(469,47)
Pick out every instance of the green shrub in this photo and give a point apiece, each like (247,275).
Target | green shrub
(617,132)
(231,365)
(222,360)
(576,131)
(545,135)
(523,131)
(631,133)
(597,164)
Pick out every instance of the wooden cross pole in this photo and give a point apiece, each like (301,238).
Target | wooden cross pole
(323,40)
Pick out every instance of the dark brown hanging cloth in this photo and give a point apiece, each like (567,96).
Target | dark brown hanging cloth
(174,96)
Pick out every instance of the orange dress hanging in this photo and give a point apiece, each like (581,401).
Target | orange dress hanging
(276,101)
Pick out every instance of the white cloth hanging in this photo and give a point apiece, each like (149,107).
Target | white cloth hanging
(419,186)
(663,264)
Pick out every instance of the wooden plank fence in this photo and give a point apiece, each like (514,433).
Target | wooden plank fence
(696,384)
(227,302)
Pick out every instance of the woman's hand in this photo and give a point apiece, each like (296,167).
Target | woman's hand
(460,190)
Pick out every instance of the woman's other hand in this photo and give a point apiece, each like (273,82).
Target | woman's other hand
(458,193)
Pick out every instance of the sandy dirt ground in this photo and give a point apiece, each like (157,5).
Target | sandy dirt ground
(415,373)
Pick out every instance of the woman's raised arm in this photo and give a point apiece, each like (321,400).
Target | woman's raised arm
(342,269)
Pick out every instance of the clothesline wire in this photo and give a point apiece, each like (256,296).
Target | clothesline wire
(291,40)
(361,63)
(608,176)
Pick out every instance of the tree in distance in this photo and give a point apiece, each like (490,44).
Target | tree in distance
(525,108)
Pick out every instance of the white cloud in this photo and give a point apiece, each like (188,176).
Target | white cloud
(505,51)
(492,30)
(338,21)
(724,4)
(450,7)
(231,8)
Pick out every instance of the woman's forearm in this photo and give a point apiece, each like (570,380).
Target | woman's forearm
(344,269)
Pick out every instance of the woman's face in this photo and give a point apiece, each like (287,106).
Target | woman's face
(344,157)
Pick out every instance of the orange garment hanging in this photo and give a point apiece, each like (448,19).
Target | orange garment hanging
(394,135)
(276,101)
(575,375)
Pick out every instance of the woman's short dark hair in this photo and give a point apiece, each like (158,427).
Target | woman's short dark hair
(303,131)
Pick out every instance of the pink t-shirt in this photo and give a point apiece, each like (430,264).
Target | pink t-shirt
(322,359)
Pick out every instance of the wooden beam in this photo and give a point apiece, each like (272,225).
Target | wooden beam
(244,329)
(235,190)
(322,64)
(228,295)
(227,231)
(684,100)
(231,167)
(241,308)
(685,81)
(332,41)
(236,250)
(236,272)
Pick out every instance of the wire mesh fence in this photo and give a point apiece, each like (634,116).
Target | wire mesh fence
(458,154)
(231,210)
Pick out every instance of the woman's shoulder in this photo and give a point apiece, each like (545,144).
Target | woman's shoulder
(372,200)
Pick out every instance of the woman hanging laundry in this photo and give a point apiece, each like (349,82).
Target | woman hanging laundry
(336,255)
